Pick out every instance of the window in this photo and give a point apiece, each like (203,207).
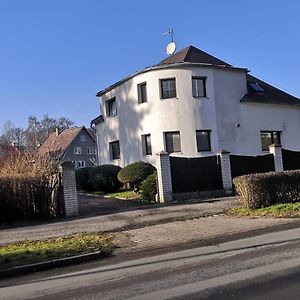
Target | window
(268,138)
(203,140)
(91,150)
(172,141)
(142,92)
(146,144)
(256,87)
(168,88)
(114,150)
(111,107)
(198,87)
(77,150)
(81,164)
(82,138)
(75,163)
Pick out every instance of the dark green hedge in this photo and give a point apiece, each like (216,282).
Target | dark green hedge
(149,188)
(265,189)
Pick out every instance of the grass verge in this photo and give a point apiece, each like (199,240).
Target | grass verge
(126,194)
(28,252)
(284,210)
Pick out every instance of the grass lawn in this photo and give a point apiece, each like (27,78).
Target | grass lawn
(126,194)
(284,210)
(28,252)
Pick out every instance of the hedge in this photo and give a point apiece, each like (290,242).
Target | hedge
(149,188)
(265,189)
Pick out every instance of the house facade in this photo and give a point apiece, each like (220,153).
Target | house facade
(193,104)
(77,145)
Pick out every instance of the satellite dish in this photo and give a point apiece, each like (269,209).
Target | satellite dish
(170,49)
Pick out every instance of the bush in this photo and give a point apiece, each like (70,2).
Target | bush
(105,178)
(83,179)
(135,173)
(265,189)
(149,188)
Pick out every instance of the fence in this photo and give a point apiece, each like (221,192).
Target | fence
(179,175)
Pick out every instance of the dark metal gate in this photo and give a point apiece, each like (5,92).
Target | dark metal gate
(290,159)
(241,165)
(196,174)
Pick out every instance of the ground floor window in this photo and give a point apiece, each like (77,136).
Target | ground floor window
(146,144)
(114,150)
(172,141)
(203,140)
(268,138)
(81,164)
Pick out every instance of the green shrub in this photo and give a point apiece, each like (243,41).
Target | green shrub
(135,173)
(104,178)
(149,188)
(265,189)
(83,179)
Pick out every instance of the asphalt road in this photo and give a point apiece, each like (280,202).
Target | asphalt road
(260,267)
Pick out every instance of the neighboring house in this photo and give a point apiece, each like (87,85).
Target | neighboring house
(193,104)
(74,144)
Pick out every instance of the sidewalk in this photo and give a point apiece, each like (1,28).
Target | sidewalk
(152,227)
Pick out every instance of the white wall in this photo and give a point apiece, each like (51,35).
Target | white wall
(219,112)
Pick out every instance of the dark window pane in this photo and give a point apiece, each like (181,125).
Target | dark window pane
(172,140)
(198,86)
(168,88)
(146,144)
(256,87)
(114,148)
(111,107)
(268,138)
(142,92)
(203,140)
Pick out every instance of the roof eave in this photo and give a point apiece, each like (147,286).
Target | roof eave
(268,102)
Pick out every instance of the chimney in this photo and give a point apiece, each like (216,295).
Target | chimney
(57,131)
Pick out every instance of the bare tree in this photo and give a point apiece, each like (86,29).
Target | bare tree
(12,135)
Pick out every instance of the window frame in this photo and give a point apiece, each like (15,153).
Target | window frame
(82,138)
(90,152)
(203,79)
(77,150)
(142,97)
(166,141)
(80,164)
(145,147)
(208,132)
(108,107)
(111,152)
(161,88)
(272,132)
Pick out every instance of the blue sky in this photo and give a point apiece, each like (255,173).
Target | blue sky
(55,55)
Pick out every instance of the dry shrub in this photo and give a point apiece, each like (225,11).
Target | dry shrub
(265,189)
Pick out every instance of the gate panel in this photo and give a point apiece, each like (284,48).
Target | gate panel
(290,159)
(241,165)
(195,174)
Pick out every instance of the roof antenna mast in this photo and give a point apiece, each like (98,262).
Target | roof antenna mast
(171,47)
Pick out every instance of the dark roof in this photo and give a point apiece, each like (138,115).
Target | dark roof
(60,143)
(270,94)
(97,120)
(192,54)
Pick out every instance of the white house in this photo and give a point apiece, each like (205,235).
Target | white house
(193,104)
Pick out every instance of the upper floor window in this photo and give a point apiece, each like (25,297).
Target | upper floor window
(168,88)
(111,107)
(114,150)
(77,150)
(82,138)
(172,141)
(91,150)
(81,164)
(142,92)
(203,140)
(146,144)
(268,138)
(199,87)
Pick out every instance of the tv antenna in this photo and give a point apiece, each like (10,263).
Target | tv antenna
(171,47)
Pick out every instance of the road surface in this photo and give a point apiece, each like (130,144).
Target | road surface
(260,267)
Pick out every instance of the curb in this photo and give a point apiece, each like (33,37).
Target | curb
(55,263)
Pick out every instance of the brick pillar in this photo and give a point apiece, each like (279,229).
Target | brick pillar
(275,149)
(69,189)
(225,169)
(164,178)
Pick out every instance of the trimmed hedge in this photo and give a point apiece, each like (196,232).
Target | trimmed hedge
(83,179)
(135,173)
(105,178)
(149,188)
(265,189)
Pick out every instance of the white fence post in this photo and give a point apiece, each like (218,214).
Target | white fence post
(275,149)
(225,169)
(164,178)
(69,189)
